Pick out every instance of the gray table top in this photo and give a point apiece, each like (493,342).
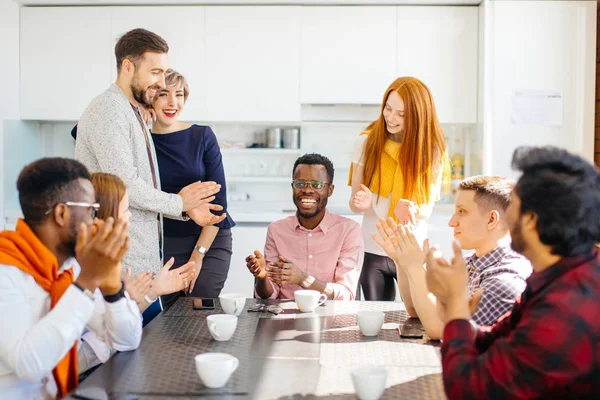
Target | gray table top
(289,356)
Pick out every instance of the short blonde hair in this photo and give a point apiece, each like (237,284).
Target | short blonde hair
(174,78)
(491,192)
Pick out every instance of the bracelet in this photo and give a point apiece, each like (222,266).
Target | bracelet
(117,296)
(148,299)
(306,283)
(87,292)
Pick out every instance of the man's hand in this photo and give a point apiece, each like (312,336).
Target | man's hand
(99,251)
(169,280)
(199,193)
(256,265)
(139,286)
(406,211)
(473,303)
(197,258)
(284,272)
(202,216)
(400,244)
(148,115)
(362,199)
(448,282)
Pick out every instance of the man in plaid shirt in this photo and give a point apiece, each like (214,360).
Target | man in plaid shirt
(549,346)
(479,224)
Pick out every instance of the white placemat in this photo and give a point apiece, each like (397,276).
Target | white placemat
(410,382)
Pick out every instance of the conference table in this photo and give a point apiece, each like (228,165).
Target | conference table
(291,355)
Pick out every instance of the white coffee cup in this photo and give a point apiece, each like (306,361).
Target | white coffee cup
(370,322)
(222,326)
(308,300)
(369,381)
(232,303)
(215,369)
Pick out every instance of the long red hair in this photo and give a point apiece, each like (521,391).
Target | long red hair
(423,153)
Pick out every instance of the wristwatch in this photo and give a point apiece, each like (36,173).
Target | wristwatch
(117,296)
(201,249)
(85,291)
(185,216)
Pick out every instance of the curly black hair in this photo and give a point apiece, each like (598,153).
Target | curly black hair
(47,182)
(563,191)
(315,159)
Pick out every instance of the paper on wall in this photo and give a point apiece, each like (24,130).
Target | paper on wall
(536,107)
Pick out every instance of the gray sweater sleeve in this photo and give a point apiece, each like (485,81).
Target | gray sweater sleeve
(106,139)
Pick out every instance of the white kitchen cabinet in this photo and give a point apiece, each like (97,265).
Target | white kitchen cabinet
(252,63)
(64,60)
(438,45)
(246,239)
(348,54)
(183,29)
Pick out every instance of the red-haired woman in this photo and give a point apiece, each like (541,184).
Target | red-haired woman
(398,166)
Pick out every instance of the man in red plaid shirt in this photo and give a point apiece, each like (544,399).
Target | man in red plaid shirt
(549,345)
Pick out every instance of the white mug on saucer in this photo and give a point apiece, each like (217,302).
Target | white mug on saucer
(369,381)
(222,326)
(215,369)
(370,322)
(308,300)
(232,303)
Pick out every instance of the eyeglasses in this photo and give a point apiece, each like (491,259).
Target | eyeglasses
(94,206)
(300,184)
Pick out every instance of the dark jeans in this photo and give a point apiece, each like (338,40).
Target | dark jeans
(378,277)
(215,264)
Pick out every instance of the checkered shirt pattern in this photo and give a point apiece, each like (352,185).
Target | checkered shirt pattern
(502,274)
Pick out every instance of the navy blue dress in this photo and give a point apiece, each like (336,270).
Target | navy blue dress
(185,157)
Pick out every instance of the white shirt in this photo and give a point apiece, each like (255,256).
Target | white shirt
(33,338)
(379,208)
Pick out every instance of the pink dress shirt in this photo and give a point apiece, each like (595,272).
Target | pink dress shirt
(332,253)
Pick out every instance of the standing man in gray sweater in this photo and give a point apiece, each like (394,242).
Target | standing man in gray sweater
(112,137)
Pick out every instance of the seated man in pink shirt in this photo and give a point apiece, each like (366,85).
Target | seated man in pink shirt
(313,249)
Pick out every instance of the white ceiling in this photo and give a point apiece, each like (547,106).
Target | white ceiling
(245,2)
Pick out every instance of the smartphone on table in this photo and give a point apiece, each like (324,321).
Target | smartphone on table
(203,304)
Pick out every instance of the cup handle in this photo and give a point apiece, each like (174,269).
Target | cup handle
(237,307)
(213,329)
(236,364)
(322,299)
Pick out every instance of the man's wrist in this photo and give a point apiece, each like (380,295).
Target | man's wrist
(85,291)
(111,288)
(307,280)
(183,209)
(115,296)
(416,274)
(457,309)
(86,283)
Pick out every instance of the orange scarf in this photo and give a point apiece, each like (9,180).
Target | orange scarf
(22,249)
(388,177)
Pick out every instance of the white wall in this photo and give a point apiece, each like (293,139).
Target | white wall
(9,78)
(539,45)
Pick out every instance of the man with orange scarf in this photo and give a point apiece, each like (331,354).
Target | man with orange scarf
(47,297)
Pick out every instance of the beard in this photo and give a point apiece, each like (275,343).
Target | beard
(321,204)
(68,246)
(516,234)
(140,94)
